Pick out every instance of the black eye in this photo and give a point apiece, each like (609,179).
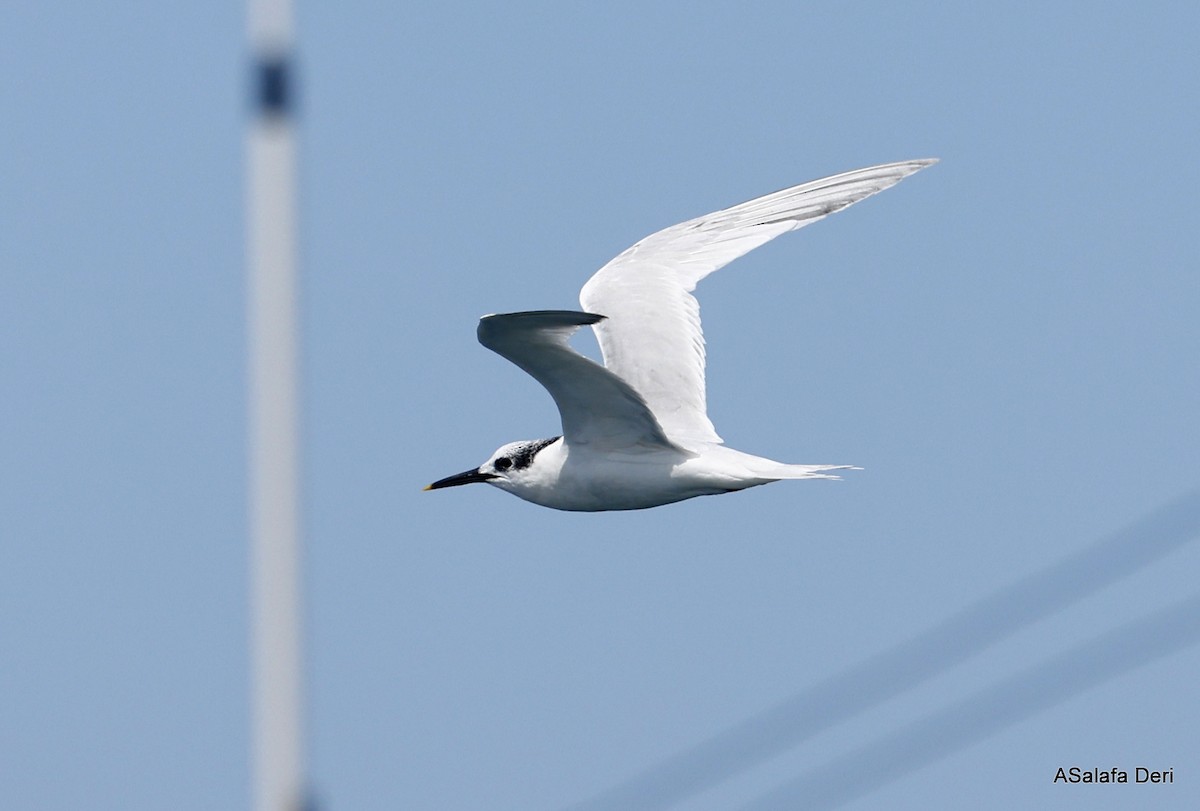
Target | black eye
(503,463)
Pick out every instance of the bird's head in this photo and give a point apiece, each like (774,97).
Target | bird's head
(509,468)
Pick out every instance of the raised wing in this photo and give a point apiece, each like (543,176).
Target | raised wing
(651,336)
(596,406)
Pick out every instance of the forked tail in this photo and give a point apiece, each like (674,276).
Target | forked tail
(779,470)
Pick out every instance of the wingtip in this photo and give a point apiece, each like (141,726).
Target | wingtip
(902,169)
(549,317)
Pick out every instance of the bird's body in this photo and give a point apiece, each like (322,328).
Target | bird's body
(577,478)
(636,432)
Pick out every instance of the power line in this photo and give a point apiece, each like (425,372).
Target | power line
(902,667)
(976,717)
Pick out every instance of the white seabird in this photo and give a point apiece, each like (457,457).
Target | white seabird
(635,431)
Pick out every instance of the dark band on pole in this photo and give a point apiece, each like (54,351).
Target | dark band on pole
(273,91)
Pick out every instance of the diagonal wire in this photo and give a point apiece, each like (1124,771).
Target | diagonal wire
(897,669)
(971,720)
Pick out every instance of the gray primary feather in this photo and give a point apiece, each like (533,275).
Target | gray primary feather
(597,407)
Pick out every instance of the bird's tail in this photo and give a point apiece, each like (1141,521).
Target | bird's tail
(779,470)
(752,470)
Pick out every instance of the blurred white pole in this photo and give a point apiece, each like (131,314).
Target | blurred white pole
(277,697)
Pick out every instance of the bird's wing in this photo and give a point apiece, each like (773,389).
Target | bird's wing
(597,407)
(651,335)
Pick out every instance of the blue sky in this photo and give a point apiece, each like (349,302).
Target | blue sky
(1007,344)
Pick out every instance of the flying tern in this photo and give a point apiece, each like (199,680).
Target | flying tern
(635,431)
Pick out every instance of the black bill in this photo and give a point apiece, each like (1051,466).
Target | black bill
(466,477)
